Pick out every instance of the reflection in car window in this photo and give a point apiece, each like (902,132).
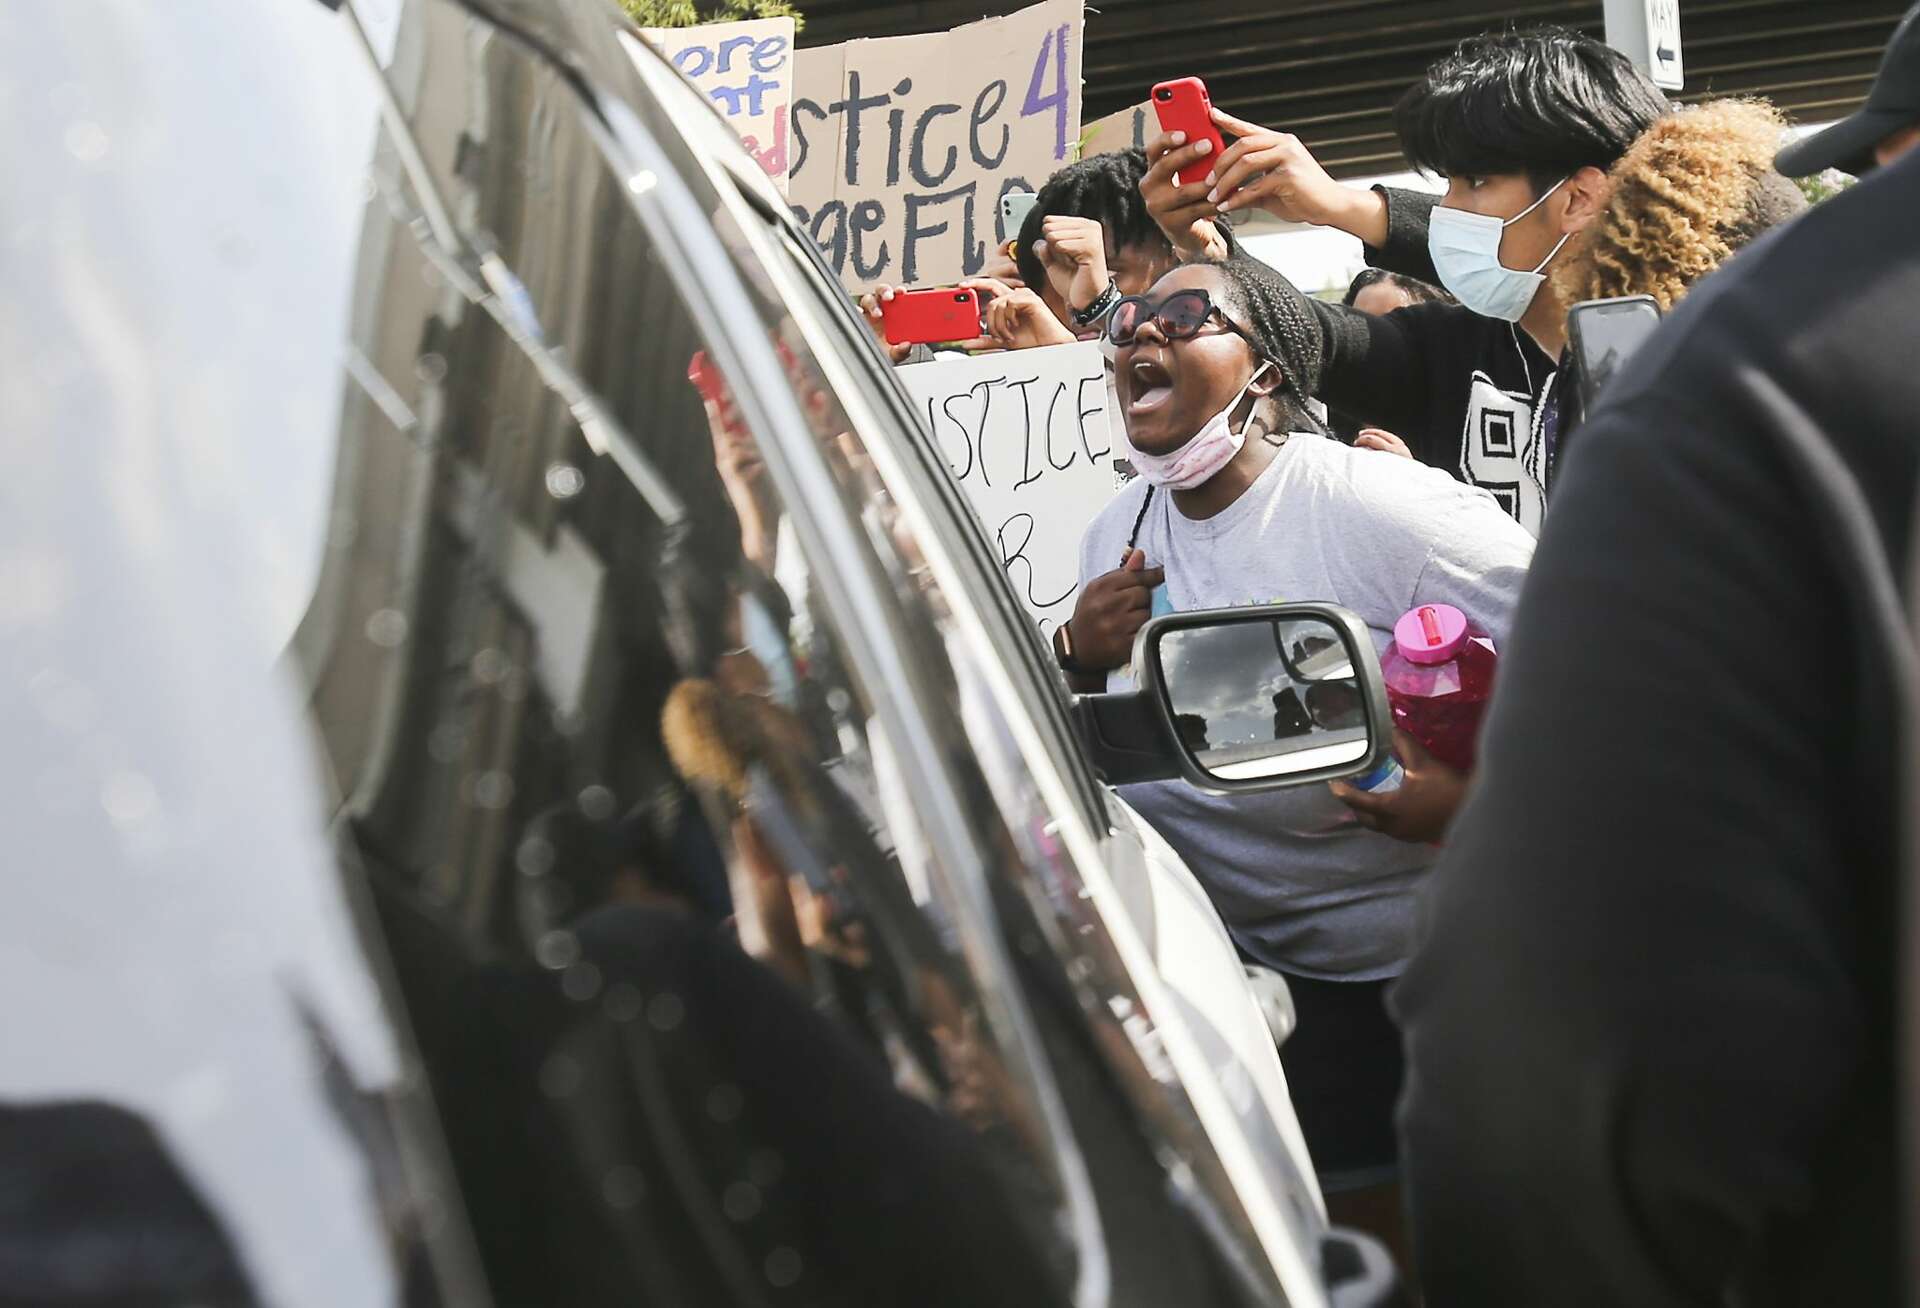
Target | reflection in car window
(656,899)
(1038,886)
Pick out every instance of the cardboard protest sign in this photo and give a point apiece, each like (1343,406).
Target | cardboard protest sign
(747,70)
(903,146)
(1030,436)
(1130,129)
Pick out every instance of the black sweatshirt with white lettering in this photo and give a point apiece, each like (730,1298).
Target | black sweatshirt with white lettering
(1468,394)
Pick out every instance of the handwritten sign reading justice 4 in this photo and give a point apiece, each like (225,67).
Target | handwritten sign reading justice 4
(1027,433)
(747,70)
(903,146)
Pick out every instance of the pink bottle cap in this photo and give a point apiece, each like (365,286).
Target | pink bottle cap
(1432,633)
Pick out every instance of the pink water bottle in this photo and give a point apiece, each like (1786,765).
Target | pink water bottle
(1439,672)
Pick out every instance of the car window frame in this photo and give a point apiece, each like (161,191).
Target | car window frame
(1258,1193)
(956,553)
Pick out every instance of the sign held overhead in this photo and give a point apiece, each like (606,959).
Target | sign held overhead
(746,69)
(903,146)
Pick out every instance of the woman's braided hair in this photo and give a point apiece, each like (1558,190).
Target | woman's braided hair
(1276,315)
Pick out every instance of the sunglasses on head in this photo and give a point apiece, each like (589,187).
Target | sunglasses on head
(1178,317)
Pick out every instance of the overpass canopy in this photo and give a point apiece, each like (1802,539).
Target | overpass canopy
(1330,70)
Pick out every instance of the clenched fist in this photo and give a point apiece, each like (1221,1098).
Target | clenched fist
(1074,253)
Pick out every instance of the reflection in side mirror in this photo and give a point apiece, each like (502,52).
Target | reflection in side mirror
(1250,699)
(1258,696)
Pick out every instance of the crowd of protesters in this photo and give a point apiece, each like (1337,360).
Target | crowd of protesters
(1645,1052)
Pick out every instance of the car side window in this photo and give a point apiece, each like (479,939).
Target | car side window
(603,735)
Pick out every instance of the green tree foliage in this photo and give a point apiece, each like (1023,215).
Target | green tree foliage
(1824,186)
(690,13)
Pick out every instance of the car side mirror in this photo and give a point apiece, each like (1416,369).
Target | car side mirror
(1244,700)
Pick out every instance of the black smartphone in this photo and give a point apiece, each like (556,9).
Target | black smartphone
(1604,334)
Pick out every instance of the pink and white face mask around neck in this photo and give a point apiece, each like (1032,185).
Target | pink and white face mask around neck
(1196,462)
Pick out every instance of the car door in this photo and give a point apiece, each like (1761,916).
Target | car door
(1111,901)
(628,561)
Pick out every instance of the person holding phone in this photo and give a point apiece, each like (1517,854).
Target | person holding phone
(1243,499)
(1524,125)
(1086,241)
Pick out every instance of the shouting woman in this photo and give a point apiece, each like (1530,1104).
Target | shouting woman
(1243,499)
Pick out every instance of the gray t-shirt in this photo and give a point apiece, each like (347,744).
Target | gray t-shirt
(1301,885)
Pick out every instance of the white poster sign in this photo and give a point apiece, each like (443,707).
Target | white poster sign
(903,145)
(747,70)
(1029,435)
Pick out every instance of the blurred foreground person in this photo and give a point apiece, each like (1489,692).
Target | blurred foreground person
(1651,1029)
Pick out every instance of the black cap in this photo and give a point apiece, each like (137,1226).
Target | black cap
(1893,103)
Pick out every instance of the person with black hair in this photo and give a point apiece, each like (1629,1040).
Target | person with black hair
(1525,126)
(1087,241)
(1242,499)
(1377,291)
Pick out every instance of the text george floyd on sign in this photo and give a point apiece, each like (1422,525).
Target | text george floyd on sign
(903,146)
(746,69)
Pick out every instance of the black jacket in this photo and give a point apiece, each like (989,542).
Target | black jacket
(1651,1029)
(1464,392)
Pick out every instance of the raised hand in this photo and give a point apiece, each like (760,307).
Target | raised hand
(1074,253)
(1272,170)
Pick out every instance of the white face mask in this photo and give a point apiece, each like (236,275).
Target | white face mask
(1211,449)
(1466,253)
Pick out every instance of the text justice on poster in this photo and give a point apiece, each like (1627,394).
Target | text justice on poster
(1029,438)
(902,147)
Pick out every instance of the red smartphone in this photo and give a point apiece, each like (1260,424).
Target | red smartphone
(930,317)
(1183,106)
(713,389)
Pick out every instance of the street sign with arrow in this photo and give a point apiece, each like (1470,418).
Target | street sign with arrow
(1648,32)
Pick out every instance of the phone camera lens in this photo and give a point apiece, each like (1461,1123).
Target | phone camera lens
(1163,95)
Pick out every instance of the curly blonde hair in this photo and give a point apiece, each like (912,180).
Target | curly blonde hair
(1694,188)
